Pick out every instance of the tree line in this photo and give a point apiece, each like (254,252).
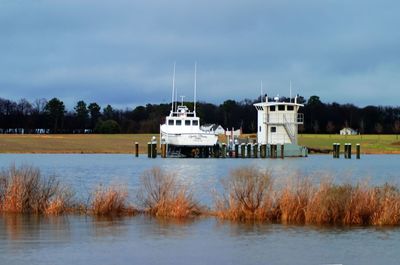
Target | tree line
(51,116)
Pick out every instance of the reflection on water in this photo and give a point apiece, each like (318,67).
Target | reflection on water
(31,239)
(142,239)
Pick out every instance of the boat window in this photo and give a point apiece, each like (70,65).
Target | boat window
(290,108)
(195,123)
(170,122)
(281,107)
(272,108)
(273,129)
(187,122)
(260,129)
(178,122)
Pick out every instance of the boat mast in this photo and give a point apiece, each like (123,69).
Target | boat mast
(173,90)
(195,87)
(290,92)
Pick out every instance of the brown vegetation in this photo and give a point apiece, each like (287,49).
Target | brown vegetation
(248,194)
(164,195)
(24,190)
(110,201)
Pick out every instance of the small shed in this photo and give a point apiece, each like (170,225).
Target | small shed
(348,131)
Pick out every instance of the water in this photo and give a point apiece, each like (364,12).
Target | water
(144,240)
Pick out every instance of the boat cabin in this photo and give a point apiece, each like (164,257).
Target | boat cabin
(277,121)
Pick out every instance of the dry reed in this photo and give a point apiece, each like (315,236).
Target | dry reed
(293,200)
(110,201)
(24,190)
(247,195)
(163,195)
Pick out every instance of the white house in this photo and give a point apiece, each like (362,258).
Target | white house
(216,129)
(348,131)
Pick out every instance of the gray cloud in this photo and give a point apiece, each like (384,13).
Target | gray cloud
(121,52)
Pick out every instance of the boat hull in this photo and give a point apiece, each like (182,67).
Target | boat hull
(189,139)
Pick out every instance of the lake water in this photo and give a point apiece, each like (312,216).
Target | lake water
(144,240)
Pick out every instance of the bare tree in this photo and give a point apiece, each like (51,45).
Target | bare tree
(330,127)
(396,128)
(378,128)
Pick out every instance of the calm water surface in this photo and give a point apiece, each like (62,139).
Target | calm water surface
(143,240)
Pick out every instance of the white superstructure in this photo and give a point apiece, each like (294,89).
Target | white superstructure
(277,121)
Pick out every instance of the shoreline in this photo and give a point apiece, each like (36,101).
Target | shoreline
(124,143)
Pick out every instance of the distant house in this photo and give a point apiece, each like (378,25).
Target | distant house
(348,131)
(216,129)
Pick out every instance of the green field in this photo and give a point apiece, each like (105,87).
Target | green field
(124,143)
(370,144)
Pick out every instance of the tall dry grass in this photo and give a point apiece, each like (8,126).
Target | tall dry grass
(247,195)
(24,190)
(164,195)
(110,201)
(293,200)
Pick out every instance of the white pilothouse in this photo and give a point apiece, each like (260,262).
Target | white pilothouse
(181,131)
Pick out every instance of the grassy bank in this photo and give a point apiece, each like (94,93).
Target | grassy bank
(73,143)
(123,143)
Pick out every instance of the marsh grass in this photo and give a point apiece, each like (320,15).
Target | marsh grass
(247,195)
(163,195)
(24,190)
(110,201)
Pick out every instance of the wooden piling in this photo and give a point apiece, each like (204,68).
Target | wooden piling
(163,150)
(248,150)
(346,151)
(263,151)
(334,150)
(236,150)
(273,150)
(349,151)
(358,148)
(282,151)
(223,150)
(149,149)
(242,150)
(136,149)
(255,150)
(153,149)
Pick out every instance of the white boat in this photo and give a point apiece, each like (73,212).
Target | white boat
(181,131)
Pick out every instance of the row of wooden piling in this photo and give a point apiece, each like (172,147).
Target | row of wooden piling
(217,151)
(347,150)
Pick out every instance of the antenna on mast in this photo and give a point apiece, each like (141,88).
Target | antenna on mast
(173,90)
(195,87)
(262,92)
(290,91)
(176,95)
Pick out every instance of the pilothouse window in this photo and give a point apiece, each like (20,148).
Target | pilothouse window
(187,123)
(178,122)
(195,123)
(170,122)
(281,107)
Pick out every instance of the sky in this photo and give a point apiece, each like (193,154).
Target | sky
(122,52)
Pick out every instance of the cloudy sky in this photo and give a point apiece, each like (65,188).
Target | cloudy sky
(122,52)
